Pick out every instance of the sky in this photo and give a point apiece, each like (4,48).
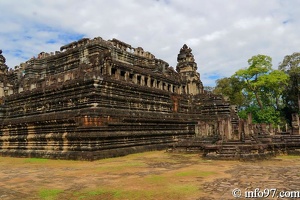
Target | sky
(223,34)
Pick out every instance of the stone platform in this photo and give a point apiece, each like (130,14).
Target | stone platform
(254,148)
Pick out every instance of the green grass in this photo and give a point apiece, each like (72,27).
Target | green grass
(36,160)
(169,192)
(113,192)
(49,194)
(101,192)
(155,178)
(183,189)
(155,186)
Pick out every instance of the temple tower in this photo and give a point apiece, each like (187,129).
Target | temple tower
(3,66)
(3,73)
(187,68)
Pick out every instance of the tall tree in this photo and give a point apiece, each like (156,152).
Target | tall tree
(256,89)
(291,66)
(272,86)
(259,65)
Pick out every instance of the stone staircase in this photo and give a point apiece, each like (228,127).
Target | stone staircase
(251,148)
(237,150)
(193,144)
(287,143)
(229,150)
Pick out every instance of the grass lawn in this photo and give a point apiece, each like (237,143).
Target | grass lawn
(150,175)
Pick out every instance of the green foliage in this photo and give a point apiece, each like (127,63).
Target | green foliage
(291,96)
(258,89)
(259,65)
(267,115)
(230,88)
(272,86)
(291,63)
(243,114)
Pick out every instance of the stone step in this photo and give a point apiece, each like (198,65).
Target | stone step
(227,155)
(230,146)
(228,149)
(232,142)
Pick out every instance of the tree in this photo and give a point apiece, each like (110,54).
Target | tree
(272,86)
(231,89)
(267,115)
(256,89)
(258,66)
(291,66)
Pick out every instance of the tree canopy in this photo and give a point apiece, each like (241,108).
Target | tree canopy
(263,91)
(291,66)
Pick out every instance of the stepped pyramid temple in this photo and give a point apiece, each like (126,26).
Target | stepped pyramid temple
(96,99)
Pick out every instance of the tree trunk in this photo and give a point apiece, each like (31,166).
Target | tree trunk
(258,101)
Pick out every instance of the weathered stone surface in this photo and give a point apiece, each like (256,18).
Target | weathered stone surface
(251,142)
(95,99)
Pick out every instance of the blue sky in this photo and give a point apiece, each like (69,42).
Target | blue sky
(222,34)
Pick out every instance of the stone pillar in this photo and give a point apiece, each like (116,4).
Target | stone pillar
(159,85)
(228,128)
(1,89)
(149,81)
(271,129)
(126,76)
(295,124)
(241,130)
(179,90)
(108,69)
(118,74)
(134,78)
(221,129)
(246,128)
(142,80)
(278,129)
(154,83)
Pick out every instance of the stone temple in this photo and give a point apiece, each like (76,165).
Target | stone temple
(96,99)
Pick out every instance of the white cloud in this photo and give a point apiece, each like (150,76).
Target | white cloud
(222,34)
(215,35)
(249,23)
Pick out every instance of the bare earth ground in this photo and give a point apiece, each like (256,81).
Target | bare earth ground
(151,175)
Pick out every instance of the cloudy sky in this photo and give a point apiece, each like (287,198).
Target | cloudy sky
(223,34)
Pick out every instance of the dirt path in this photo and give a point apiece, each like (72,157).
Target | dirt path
(151,175)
